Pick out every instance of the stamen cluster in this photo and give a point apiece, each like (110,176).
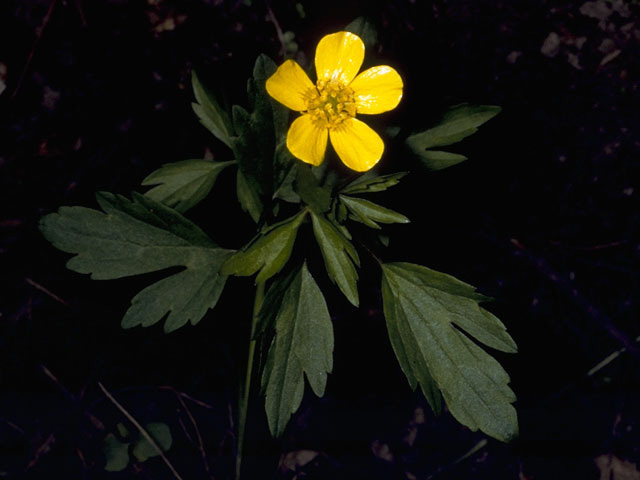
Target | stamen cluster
(331,103)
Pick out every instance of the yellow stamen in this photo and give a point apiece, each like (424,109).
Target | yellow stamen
(331,103)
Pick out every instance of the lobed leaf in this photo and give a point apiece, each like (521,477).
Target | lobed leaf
(211,115)
(285,190)
(458,123)
(421,307)
(370,183)
(182,185)
(369,213)
(258,145)
(249,197)
(268,252)
(139,236)
(311,191)
(187,295)
(303,346)
(407,351)
(339,256)
(273,300)
(439,160)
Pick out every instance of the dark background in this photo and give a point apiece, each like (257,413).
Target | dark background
(543,217)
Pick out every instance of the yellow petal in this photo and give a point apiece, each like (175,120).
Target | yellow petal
(307,140)
(290,85)
(357,145)
(377,90)
(339,57)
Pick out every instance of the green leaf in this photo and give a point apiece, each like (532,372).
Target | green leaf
(214,118)
(407,350)
(370,183)
(248,197)
(458,123)
(259,145)
(143,450)
(283,161)
(365,29)
(266,253)
(273,300)
(303,345)
(122,430)
(116,454)
(312,193)
(182,185)
(339,256)
(383,239)
(285,190)
(369,213)
(140,236)
(340,213)
(421,307)
(438,160)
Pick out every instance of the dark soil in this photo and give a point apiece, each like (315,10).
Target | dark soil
(543,217)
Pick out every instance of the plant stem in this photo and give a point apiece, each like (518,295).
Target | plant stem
(244,393)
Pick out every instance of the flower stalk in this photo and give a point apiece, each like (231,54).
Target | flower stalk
(245,389)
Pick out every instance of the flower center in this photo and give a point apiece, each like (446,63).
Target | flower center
(331,103)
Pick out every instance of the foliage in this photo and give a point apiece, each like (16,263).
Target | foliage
(423,308)
(139,236)
(182,185)
(303,344)
(118,448)
(340,256)
(258,146)
(433,319)
(211,115)
(268,252)
(457,123)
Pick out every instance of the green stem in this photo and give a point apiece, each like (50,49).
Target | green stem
(244,393)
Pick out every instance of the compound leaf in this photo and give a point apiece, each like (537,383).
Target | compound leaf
(369,213)
(268,252)
(139,236)
(339,256)
(421,307)
(211,115)
(303,345)
(182,185)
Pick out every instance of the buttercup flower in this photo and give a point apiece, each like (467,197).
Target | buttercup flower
(329,107)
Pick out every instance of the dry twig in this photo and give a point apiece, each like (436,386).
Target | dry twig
(201,448)
(37,286)
(39,32)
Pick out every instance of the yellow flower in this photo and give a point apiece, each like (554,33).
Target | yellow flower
(330,106)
